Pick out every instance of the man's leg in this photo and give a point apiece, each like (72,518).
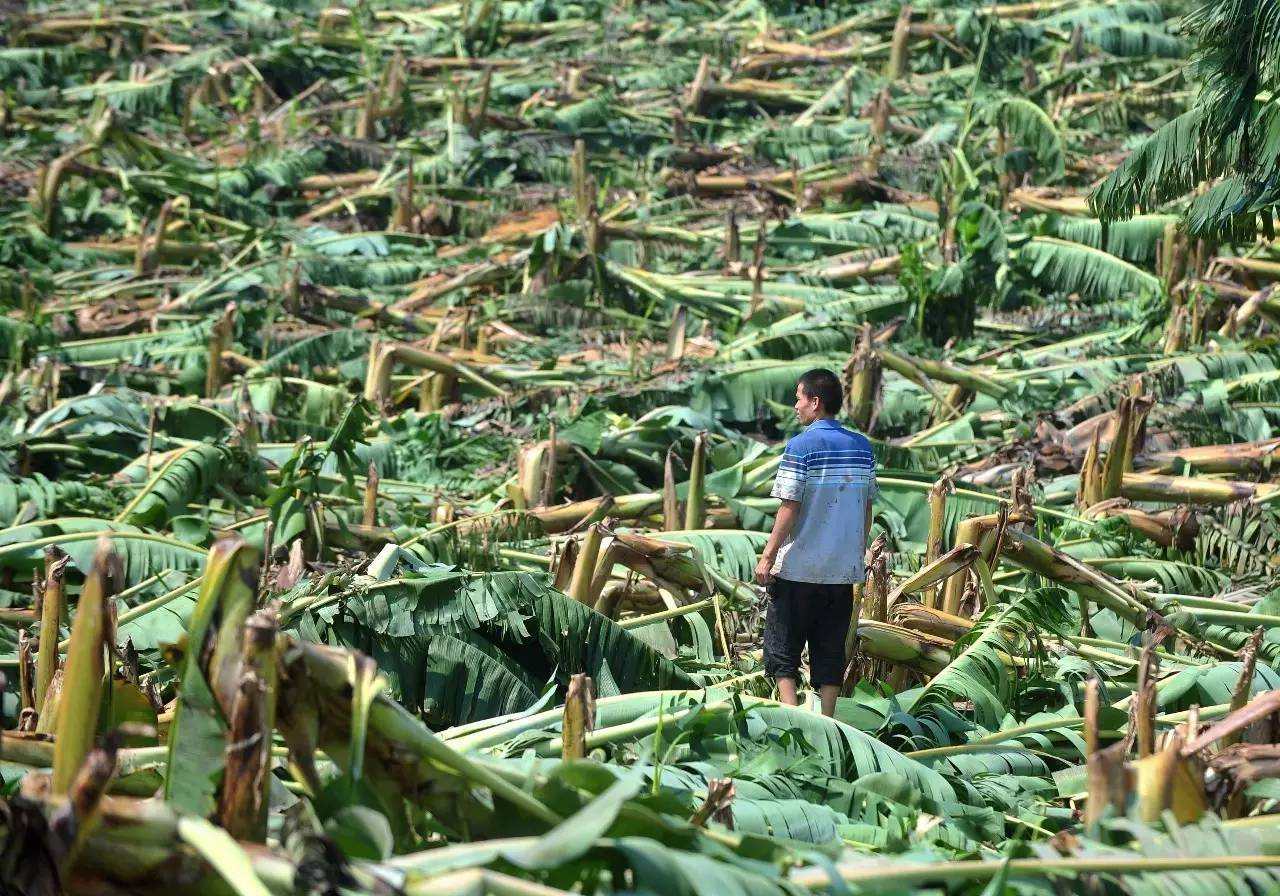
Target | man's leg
(783,641)
(833,611)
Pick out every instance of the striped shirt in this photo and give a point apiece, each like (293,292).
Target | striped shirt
(832,473)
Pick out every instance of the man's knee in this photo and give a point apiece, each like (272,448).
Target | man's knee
(826,668)
(783,635)
(779,662)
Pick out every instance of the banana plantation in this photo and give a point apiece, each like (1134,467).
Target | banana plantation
(391,396)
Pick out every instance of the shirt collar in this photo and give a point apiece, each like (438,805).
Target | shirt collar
(823,423)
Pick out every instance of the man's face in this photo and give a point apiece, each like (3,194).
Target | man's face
(808,408)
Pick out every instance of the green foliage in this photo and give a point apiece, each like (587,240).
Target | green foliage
(191,475)
(466,647)
(1069,267)
(1135,240)
(979,674)
(1227,132)
(948,305)
(215,217)
(1025,126)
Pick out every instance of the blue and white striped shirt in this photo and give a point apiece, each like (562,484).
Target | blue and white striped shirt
(832,473)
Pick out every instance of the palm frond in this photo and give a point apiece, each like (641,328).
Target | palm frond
(1066,267)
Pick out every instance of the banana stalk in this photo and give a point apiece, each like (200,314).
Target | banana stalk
(52,610)
(1244,684)
(919,618)
(1113,469)
(944,568)
(898,58)
(1261,707)
(676,333)
(583,200)
(857,593)
(1171,528)
(1242,458)
(1192,489)
(77,722)
(863,269)
(937,531)
(1175,331)
(564,517)
(1033,554)
(943,372)
(695,511)
(718,805)
(666,563)
(219,342)
(84,799)
(579,717)
(384,355)
(369,516)
(235,601)
(1143,718)
(732,241)
(563,562)
(642,597)
(404,208)
(51,178)
(983,531)
(47,722)
(1090,489)
(1196,328)
(608,557)
(211,671)
(584,568)
(26,674)
(862,377)
(879,126)
(242,805)
(900,646)
(1169,781)
(877,589)
(1133,445)
(670,503)
(664,615)
(1107,774)
(531,461)
(547,490)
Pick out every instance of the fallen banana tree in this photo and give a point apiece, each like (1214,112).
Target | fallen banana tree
(427,375)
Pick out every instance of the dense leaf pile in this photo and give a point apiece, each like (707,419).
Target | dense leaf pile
(391,398)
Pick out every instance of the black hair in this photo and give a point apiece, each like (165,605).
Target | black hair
(823,385)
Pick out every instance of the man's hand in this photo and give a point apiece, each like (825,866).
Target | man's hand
(764,573)
(782,525)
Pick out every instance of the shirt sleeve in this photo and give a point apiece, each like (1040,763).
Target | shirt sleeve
(873,486)
(793,473)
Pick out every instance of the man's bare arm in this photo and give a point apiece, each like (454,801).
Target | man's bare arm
(783,523)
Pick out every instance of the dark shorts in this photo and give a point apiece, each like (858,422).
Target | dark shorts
(806,612)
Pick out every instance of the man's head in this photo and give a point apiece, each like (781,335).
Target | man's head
(818,395)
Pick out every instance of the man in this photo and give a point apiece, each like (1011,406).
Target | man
(826,481)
